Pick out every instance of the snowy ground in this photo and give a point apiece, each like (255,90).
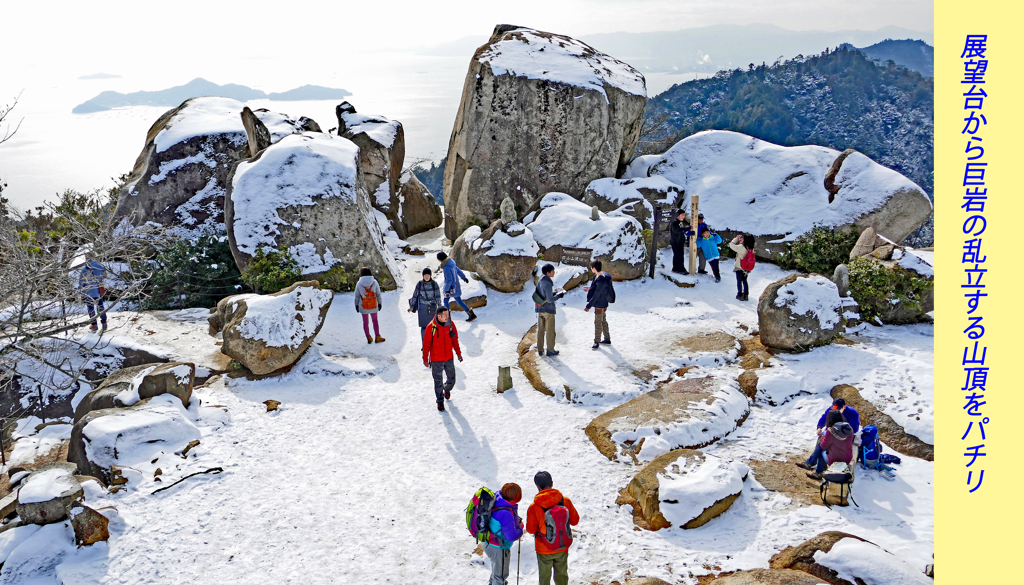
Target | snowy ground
(358,479)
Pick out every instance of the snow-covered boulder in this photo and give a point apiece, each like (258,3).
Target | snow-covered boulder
(778,193)
(686,413)
(839,558)
(636,198)
(540,112)
(417,211)
(799,312)
(127,386)
(616,239)
(180,177)
(268,332)
(767,577)
(44,496)
(683,488)
(502,255)
(304,193)
(130,436)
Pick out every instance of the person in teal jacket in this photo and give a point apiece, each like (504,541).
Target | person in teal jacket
(708,243)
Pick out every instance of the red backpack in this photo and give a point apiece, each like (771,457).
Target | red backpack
(748,261)
(558,533)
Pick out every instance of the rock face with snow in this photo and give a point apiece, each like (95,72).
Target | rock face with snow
(686,413)
(683,488)
(418,211)
(616,239)
(129,436)
(268,332)
(778,193)
(502,255)
(304,193)
(637,198)
(180,177)
(799,312)
(767,577)
(45,495)
(540,112)
(839,558)
(127,386)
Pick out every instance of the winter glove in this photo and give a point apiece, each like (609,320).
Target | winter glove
(460,357)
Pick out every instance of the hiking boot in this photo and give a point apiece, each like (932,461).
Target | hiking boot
(606,341)
(805,465)
(369,339)
(718,279)
(702,272)
(739,297)
(814,476)
(596,345)
(448,394)
(745,298)
(552,353)
(379,339)
(472,316)
(92,327)
(440,407)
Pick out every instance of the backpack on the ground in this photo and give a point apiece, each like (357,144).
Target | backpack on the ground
(749,261)
(870,448)
(369,298)
(558,532)
(478,514)
(841,474)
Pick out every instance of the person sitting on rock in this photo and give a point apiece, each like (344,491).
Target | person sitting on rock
(836,440)
(849,414)
(599,295)
(440,341)
(677,239)
(452,288)
(367,299)
(426,298)
(505,529)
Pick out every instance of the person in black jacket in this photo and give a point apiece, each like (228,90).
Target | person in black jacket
(599,295)
(677,239)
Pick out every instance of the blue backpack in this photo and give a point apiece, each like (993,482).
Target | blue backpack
(871,456)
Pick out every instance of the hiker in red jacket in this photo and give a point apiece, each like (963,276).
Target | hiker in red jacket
(549,519)
(440,341)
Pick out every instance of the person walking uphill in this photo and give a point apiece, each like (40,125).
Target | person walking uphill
(368,303)
(599,295)
(426,298)
(440,342)
(743,245)
(90,284)
(452,289)
(544,297)
(505,529)
(549,519)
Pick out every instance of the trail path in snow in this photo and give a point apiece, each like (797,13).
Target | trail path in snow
(358,479)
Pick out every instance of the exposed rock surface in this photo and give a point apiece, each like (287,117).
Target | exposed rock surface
(540,112)
(799,312)
(767,577)
(889,431)
(89,525)
(682,413)
(801,557)
(268,332)
(778,193)
(503,255)
(304,193)
(841,278)
(528,364)
(419,211)
(256,134)
(180,177)
(637,198)
(683,488)
(45,495)
(129,385)
(616,239)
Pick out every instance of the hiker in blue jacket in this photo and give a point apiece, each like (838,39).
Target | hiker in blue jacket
(599,294)
(506,528)
(90,285)
(452,289)
(707,246)
(851,416)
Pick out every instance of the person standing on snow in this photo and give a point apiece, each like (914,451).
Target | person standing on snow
(505,528)
(701,256)
(426,298)
(440,342)
(90,284)
(549,519)
(707,244)
(742,244)
(599,295)
(544,299)
(367,300)
(452,289)
(850,415)
(677,238)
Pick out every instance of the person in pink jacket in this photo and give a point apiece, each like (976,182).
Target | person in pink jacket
(836,440)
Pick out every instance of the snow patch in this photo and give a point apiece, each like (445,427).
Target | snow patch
(853,558)
(46,485)
(696,485)
(139,435)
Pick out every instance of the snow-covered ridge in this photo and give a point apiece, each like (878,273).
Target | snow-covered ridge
(538,55)
(206,116)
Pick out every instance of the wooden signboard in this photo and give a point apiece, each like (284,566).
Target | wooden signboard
(577,256)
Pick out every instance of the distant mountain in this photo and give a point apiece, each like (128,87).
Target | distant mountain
(199,87)
(840,99)
(100,76)
(914,55)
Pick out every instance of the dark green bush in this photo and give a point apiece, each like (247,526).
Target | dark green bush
(269,272)
(819,250)
(193,273)
(340,280)
(876,288)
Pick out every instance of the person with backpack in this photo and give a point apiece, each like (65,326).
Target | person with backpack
(505,528)
(90,285)
(677,239)
(440,342)
(743,245)
(707,247)
(426,298)
(599,294)
(549,519)
(836,440)
(367,300)
(544,298)
(452,289)
(849,414)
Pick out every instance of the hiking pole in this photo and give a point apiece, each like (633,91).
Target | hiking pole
(519,555)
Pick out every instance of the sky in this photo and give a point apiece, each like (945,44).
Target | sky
(363,47)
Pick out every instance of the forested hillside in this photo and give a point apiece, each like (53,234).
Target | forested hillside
(913,54)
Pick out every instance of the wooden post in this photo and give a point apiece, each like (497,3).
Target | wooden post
(504,378)
(653,257)
(694,222)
